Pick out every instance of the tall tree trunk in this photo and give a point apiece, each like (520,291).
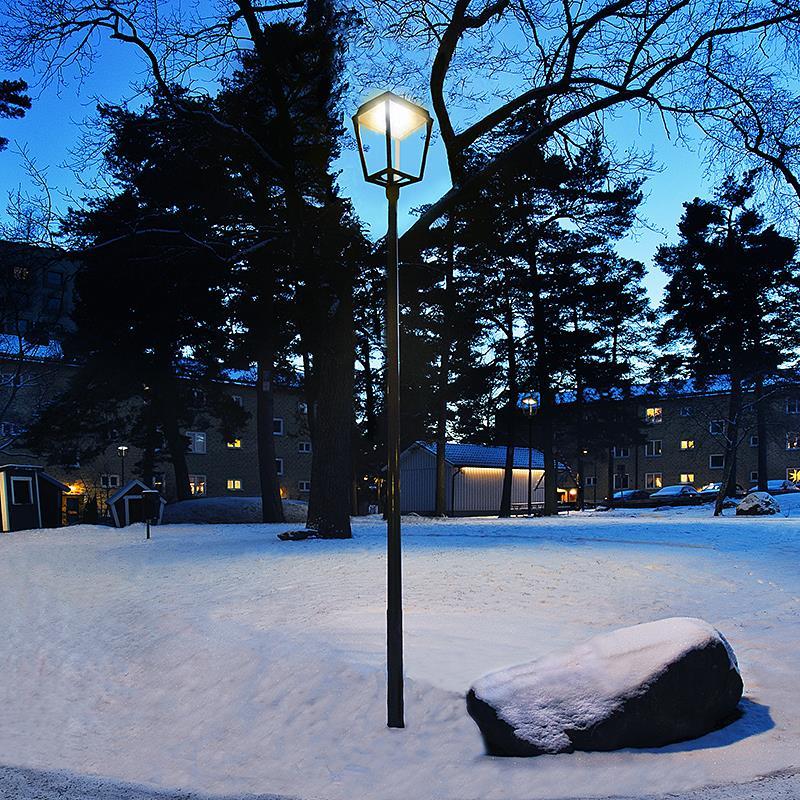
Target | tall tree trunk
(511,415)
(610,475)
(761,432)
(271,505)
(728,485)
(333,379)
(176,441)
(445,343)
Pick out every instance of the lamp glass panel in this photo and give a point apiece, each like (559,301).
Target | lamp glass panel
(403,119)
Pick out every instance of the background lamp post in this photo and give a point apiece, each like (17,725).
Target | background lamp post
(381,125)
(530,404)
(122,451)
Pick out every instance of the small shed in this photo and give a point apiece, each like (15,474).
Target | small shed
(30,498)
(475,479)
(127,504)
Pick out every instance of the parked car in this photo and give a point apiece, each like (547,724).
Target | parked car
(624,495)
(678,490)
(778,487)
(711,490)
(680,494)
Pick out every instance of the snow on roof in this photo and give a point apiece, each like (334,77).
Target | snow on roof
(478,455)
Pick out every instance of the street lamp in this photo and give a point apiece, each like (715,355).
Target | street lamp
(386,121)
(530,404)
(122,451)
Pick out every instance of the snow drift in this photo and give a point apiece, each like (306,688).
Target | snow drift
(643,686)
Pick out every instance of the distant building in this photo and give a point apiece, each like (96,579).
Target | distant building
(474,479)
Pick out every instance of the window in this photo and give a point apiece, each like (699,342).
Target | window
(237,400)
(793,474)
(197,485)
(687,444)
(793,440)
(277,426)
(590,480)
(304,447)
(622,480)
(21,273)
(655,415)
(235,444)
(686,411)
(716,427)
(687,477)
(653,447)
(793,405)
(279,466)
(197,441)
(304,486)
(53,278)
(158,481)
(302,408)
(653,480)
(234,484)
(716,461)
(620,452)
(22,491)
(109,481)
(754,476)
(754,440)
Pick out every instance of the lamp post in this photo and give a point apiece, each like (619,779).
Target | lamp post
(122,451)
(388,120)
(530,403)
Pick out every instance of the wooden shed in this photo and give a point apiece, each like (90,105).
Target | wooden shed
(127,504)
(30,498)
(475,479)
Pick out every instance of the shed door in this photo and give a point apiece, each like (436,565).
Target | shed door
(135,509)
(23,502)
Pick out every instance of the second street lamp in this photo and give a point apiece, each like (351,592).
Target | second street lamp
(530,402)
(389,120)
(122,451)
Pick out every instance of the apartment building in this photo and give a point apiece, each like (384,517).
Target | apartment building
(678,436)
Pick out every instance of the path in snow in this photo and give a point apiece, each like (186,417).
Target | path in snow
(216,659)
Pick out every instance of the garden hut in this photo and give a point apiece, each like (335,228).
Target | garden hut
(30,498)
(127,504)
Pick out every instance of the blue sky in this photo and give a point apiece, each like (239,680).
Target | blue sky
(52,129)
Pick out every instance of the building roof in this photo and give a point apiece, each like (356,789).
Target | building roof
(478,455)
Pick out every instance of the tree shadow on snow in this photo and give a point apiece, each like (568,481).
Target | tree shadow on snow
(753,719)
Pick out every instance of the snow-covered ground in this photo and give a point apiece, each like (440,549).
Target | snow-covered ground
(217,659)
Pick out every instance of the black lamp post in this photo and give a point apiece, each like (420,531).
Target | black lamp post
(530,403)
(388,119)
(122,451)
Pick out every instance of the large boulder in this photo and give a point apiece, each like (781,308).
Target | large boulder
(643,686)
(758,504)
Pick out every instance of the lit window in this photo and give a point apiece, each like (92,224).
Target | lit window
(793,440)
(234,484)
(21,273)
(590,480)
(621,452)
(793,474)
(687,477)
(716,461)
(654,415)
(236,443)
(197,485)
(653,480)
(304,486)
(22,491)
(279,466)
(197,441)
(158,481)
(687,444)
(653,447)
(686,411)
(621,480)
(277,426)
(304,447)
(793,405)
(716,427)
(754,441)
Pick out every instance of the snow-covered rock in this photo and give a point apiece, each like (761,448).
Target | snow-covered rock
(226,510)
(643,686)
(758,504)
